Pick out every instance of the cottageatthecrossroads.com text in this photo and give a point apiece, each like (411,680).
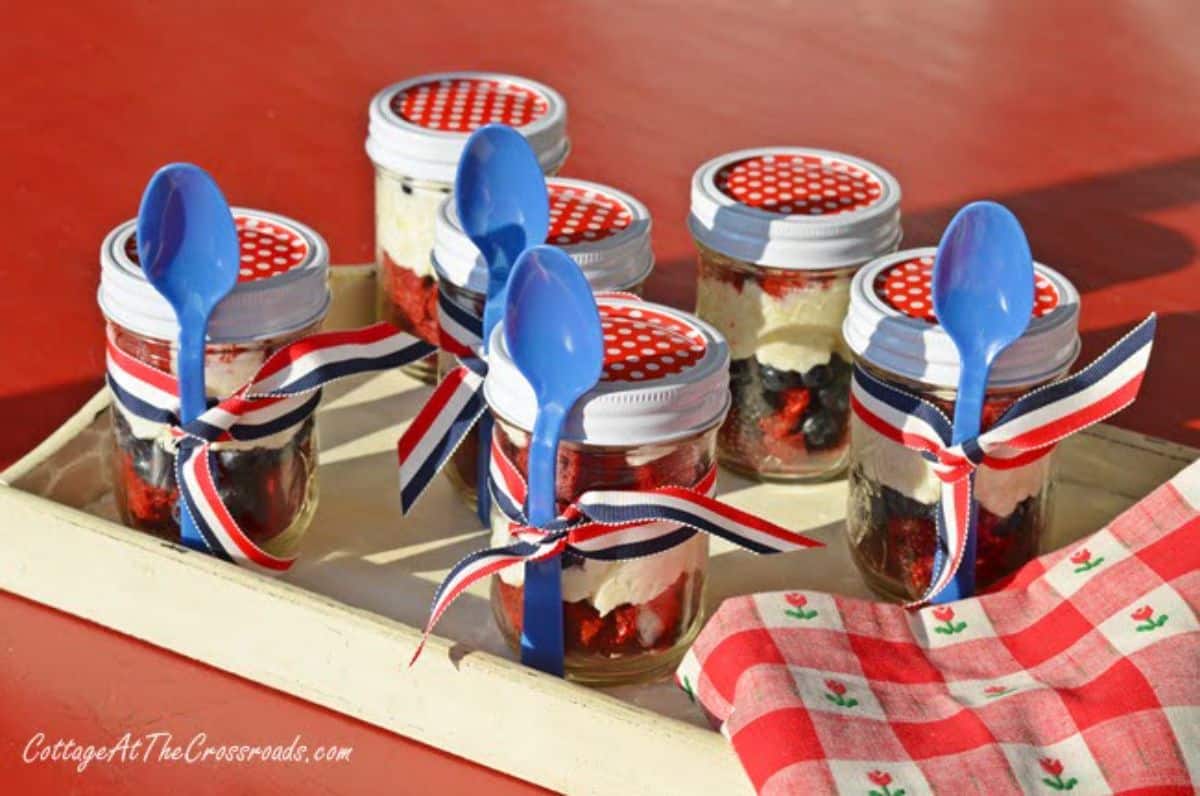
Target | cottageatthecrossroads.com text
(161,747)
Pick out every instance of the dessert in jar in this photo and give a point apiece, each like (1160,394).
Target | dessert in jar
(268,484)
(651,421)
(781,232)
(606,232)
(417,132)
(891,518)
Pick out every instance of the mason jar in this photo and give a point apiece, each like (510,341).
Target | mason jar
(417,132)
(268,484)
(605,231)
(651,421)
(781,231)
(894,492)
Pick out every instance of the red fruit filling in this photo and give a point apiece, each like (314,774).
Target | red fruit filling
(410,301)
(776,282)
(1003,544)
(263,488)
(655,625)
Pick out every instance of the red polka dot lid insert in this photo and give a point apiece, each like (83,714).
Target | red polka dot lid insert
(796,184)
(580,215)
(459,105)
(907,288)
(641,344)
(267,249)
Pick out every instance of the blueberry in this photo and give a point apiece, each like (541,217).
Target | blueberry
(835,398)
(842,371)
(406,188)
(821,430)
(774,380)
(899,505)
(1014,521)
(818,376)
(740,373)
(749,399)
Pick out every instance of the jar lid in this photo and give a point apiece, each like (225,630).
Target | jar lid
(790,207)
(666,376)
(605,231)
(418,127)
(891,325)
(282,284)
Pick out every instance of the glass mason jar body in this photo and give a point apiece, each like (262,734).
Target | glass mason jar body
(405,212)
(269,485)
(891,515)
(462,467)
(790,367)
(893,332)
(623,621)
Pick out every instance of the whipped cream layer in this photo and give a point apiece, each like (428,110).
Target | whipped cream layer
(224,373)
(907,472)
(405,221)
(796,331)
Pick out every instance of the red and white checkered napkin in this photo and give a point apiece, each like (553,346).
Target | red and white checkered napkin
(1082,675)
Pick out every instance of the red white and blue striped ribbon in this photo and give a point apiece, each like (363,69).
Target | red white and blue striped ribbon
(1028,430)
(454,407)
(609,525)
(282,394)
(456,404)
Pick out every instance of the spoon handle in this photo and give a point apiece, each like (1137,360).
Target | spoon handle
(542,631)
(190,367)
(493,311)
(968,417)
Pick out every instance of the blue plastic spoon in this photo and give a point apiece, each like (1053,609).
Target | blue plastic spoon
(500,194)
(188,247)
(552,330)
(983,298)
(502,204)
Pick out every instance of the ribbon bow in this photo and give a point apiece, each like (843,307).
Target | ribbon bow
(608,525)
(282,394)
(1026,431)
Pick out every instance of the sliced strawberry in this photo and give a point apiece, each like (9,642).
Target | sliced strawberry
(780,283)
(795,401)
(413,301)
(589,628)
(624,622)
(917,576)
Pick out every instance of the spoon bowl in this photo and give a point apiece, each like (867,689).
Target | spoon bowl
(552,326)
(983,280)
(188,248)
(983,298)
(552,332)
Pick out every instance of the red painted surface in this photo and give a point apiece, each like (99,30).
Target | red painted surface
(1082,117)
(69,679)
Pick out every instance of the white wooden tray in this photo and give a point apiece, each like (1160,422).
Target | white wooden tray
(339,629)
